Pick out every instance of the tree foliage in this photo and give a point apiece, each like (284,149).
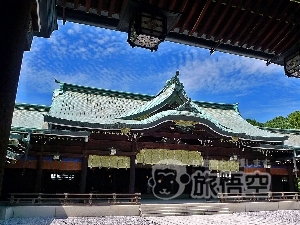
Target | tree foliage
(292,121)
(254,122)
(278,122)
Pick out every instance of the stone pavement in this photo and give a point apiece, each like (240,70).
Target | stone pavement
(218,219)
(280,217)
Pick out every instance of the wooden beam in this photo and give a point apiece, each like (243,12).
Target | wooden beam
(239,23)
(172,5)
(220,20)
(229,23)
(111,8)
(280,47)
(161,3)
(190,15)
(76,4)
(99,8)
(105,141)
(108,137)
(56,149)
(281,35)
(207,25)
(262,9)
(251,33)
(183,5)
(200,17)
(123,6)
(132,169)
(276,35)
(87,5)
(256,39)
(276,31)
(46,153)
(182,136)
(83,174)
(106,153)
(39,173)
(242,32)
(245,26)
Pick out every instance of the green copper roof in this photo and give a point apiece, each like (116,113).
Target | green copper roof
(29,116)
(170,97)
(32,107)
(81,106)
(293,135)
(75,105)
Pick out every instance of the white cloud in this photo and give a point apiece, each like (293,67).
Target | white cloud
(102,58)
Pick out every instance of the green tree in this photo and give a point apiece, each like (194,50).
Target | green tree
(294,119)
(278,122)
(254,122)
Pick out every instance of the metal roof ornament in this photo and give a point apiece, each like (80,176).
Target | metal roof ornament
(147,26)
(292,63)
(174,80)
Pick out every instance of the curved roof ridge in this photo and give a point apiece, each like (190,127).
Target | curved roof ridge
(36,107)
(67,86)
(233,106)
(208,117)
(170,115)
(281,130)
(174,80)
(172,88)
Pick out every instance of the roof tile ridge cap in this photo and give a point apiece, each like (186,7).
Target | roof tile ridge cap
(34,106)
(29,104)
(215,103)
(141,109)
(208,117)
(63,85)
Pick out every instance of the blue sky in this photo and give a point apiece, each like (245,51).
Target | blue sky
(102,58)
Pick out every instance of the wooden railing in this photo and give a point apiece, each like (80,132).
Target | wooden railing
(73,199)
(261,196)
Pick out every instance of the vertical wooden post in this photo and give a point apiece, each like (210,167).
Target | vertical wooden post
(132,164)
(39,174)
(292,183)
(14,20)
(268,170)
(132,175)
(83,174)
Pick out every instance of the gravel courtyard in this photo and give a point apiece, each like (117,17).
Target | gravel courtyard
(263,217)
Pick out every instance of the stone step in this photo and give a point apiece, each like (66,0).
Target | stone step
(182,209)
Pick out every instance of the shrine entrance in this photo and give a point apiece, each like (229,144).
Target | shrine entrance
(107,180)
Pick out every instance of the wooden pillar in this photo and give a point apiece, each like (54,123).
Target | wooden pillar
(292,183)
(14,20)
(268,170)
(132,175)
(83,174)
(39,174)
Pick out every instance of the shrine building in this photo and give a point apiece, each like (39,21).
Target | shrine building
(106,141)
